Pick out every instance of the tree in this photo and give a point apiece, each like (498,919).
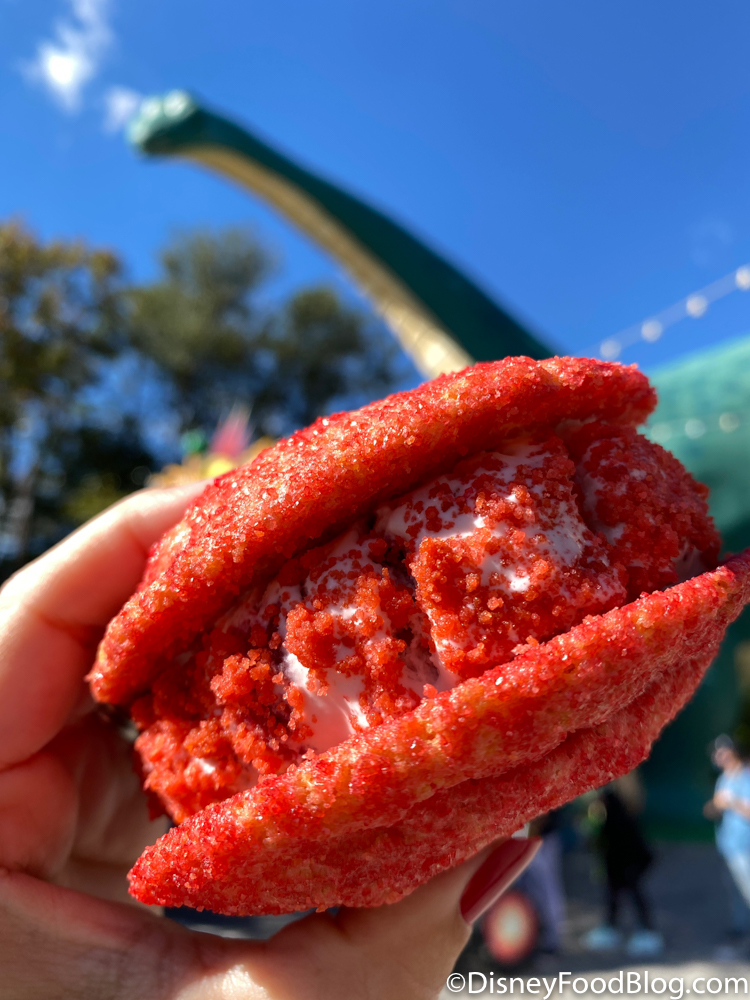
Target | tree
(202,326)
(325,356)
(60,318)
(72,440)
(197,322)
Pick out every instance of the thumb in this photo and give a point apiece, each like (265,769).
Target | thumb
(403,951)
(56,943)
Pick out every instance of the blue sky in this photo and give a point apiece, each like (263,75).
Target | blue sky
(588,163)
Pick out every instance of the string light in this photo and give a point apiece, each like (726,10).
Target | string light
(693,306)
(696,427)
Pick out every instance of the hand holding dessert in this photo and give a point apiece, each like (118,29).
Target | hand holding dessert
(404,632)
(73,819)
(356,663)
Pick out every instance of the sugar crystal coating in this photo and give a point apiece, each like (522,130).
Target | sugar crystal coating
(221,859)
(449,581)
(644,502)
(324,478)
(342,641)
(501,554)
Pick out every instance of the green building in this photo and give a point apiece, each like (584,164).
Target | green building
(703,418)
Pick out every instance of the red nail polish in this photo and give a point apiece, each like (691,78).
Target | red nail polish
(495,875)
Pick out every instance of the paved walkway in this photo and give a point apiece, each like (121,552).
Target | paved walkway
(687,890)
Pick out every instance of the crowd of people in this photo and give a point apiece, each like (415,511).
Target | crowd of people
(616,835)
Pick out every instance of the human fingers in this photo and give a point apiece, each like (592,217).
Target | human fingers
(75,812)
(113,823)
(38,815)
(395,952)
(52,613)
(55,943)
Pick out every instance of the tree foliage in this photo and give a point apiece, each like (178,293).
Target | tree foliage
(202,325)
(59,313)
(60,318)
(202,335)
(196,323)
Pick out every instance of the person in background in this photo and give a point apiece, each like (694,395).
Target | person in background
(731,806)
(627,857)
(543,882)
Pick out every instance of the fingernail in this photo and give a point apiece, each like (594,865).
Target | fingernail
(495,875)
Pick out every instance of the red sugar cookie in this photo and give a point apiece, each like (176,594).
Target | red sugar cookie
(253,854)
(321,479)
(407,630)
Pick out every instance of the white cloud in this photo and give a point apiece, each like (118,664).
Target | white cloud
(67,62)
(120,104)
